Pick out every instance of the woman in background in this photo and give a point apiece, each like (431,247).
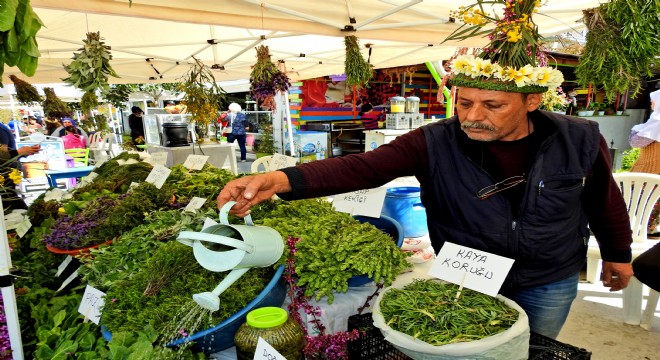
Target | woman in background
(647,137)
(236,128)
(73,139)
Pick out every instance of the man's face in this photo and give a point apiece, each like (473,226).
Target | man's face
(489,115)
(67,123)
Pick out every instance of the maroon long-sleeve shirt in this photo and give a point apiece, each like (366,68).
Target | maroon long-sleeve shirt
(407,155)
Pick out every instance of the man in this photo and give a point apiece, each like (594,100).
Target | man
(135,122)
(9,156)
(501,177)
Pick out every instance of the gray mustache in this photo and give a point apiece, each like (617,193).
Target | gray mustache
(476,125)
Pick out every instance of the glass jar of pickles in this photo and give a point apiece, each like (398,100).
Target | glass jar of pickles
(274,326)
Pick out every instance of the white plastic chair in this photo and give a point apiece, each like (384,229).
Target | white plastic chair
(103,149)
(640,192)
(264,162)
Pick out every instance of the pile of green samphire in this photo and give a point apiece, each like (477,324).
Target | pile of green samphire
(427,310)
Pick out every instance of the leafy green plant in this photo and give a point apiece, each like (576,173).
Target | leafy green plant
(19,25)
(117,94)
(90,67)
(88,102)
(628,159)
(358,71)
(266,142)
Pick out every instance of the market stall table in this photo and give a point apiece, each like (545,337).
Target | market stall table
(222,155)
(54,175)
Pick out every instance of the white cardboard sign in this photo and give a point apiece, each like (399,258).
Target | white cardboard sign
(91,304)
(195,204)
(368,202)
(23,227)
(158,175)
(195,162)
(474,269)
(265,351)
(159,158)
(280,161)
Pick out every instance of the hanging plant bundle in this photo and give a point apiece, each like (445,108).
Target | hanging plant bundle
(91,68)
(89,101)
(18,28)
(53,106)
(203,96)
(26,94)
(358,71)
(622,43)
(266,79)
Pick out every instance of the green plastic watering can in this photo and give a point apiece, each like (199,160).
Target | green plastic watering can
(237,248)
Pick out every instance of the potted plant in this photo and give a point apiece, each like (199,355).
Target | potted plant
(620,109)
(582,111)
(554,100)
(591,108)
(265,145)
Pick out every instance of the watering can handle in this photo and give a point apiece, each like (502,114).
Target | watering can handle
(185,237)
(225,210)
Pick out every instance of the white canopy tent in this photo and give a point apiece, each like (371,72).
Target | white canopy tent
(155,40)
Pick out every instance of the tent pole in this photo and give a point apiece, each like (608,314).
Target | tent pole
(8,294)
(388,13)
(288,121)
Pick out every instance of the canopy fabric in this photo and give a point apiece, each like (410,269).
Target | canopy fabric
(155,40)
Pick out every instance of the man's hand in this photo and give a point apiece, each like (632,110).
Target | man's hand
(29,150)
(616,275)
(251,190)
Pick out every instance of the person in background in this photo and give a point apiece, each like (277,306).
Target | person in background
(369,117)
(237,125)
(60,131)
(51,126)
(501,177)
(137,125)
(73,139)
(646,137)
(9,156)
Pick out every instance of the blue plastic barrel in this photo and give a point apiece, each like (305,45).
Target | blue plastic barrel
(403,204)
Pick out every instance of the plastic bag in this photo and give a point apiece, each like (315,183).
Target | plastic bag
(511,344)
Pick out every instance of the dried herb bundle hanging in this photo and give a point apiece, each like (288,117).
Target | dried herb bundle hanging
(358,71)
(53,106)
(90,68)
(26,93)
(88,102)
(266,79)
(203,96)
(622,43)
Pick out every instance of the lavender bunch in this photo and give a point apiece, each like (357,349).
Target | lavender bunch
(266,79)
(76,232)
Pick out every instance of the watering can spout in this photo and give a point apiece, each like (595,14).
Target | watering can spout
(211,300)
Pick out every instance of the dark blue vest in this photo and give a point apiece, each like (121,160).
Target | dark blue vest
(548,239)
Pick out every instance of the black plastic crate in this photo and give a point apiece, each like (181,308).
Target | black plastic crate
(370,344)
(544,348)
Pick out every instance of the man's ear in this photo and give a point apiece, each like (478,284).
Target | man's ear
(533,101)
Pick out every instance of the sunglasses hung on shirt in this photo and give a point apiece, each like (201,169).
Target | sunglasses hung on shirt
(500,186)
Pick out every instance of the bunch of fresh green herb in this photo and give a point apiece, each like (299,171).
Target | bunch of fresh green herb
(358,71)
(88,102)
(205,183)
(128,253)
(129,308)
(628,159)
(26,93)
(19,25)
(428,310)
(333,247)
(90,67)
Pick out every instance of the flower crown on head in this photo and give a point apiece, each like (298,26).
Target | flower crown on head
(509,61)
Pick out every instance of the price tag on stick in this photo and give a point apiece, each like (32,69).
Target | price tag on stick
(158,175)
(265,351)
(23,227)
(91,304)
(195,162)
(195,204)
(63,265)
(475,269)
(367,202)
(159,158)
